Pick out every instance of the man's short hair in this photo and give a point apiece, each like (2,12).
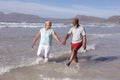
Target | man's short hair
(76,19)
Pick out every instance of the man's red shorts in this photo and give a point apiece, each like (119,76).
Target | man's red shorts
(76,46)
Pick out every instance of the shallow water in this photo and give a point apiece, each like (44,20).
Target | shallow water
(19,61)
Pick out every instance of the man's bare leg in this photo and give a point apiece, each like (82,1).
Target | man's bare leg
(75,59)
(73,53)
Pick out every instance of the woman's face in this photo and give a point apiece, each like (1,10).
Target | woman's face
(48,25)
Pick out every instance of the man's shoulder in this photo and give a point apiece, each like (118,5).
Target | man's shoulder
(81,27)
(72,28)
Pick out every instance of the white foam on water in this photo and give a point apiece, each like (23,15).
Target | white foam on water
(28,25)
(101,25)
(97,36)
(35,25)
(5,69)
(88,48)
(8,68)
(69,70)
(102,35)
(48,78)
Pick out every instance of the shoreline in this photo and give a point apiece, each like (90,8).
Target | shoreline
(87,69)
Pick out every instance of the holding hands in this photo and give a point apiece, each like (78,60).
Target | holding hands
(64,43)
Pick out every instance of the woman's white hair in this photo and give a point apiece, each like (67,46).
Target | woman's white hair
(47,22)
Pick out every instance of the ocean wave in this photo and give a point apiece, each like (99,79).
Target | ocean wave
(35,25)
(8,68)
(97,36)
(29,25)
(88,48)
(35,61)
(52,78)
(101,25)
(5,69)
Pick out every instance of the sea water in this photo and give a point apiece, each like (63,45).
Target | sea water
(100,61)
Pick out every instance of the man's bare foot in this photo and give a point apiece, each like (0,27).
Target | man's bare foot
(76,60)
(68,64)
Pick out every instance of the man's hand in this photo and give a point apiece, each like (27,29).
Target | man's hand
(66,37)
(84,42)
(64,42)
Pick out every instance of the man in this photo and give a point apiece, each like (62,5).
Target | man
(78,39)
(45,35)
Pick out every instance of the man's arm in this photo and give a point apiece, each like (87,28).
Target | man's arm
(84,41)
(35,39)
(56,38)
(66,37)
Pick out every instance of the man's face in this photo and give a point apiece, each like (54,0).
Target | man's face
(74,22)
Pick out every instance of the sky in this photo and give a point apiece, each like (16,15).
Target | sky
(62,8)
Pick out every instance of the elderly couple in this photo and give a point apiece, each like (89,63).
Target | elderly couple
(45,35)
